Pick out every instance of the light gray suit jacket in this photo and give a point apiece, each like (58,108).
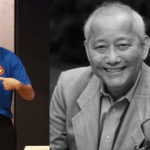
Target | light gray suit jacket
(74,113)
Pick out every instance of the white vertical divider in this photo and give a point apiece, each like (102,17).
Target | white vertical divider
(7,27)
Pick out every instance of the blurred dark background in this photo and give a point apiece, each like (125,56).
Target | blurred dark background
(32,46)
(67,19)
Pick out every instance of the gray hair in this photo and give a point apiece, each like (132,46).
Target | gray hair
(108,8)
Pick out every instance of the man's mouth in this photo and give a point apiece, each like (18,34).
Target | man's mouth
(114,70)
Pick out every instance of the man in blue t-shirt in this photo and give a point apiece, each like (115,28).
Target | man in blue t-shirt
(13,76)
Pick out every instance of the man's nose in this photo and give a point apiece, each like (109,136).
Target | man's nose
(113,57)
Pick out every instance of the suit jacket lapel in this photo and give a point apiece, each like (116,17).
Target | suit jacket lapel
(131,133)
(86,122)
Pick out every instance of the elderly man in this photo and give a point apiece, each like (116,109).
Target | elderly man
(105,106)
(13,76)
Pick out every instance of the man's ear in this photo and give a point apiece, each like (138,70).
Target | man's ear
(145,46)
(86,48)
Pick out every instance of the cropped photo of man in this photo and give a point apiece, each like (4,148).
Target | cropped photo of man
(13,76)
(105,106)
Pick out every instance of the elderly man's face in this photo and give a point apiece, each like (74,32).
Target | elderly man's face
(114,51)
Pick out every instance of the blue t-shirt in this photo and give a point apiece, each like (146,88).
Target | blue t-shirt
(10,67)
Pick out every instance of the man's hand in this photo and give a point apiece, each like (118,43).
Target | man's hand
(10,83)
(26,91)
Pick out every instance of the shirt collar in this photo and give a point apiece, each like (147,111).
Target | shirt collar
(128,95)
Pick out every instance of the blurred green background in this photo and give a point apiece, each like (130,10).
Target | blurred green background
(67,19)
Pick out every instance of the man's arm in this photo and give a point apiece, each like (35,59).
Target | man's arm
(58,137)
(26,91)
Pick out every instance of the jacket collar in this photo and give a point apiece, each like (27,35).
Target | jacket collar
(142,95)
(86,122)
(89,92)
